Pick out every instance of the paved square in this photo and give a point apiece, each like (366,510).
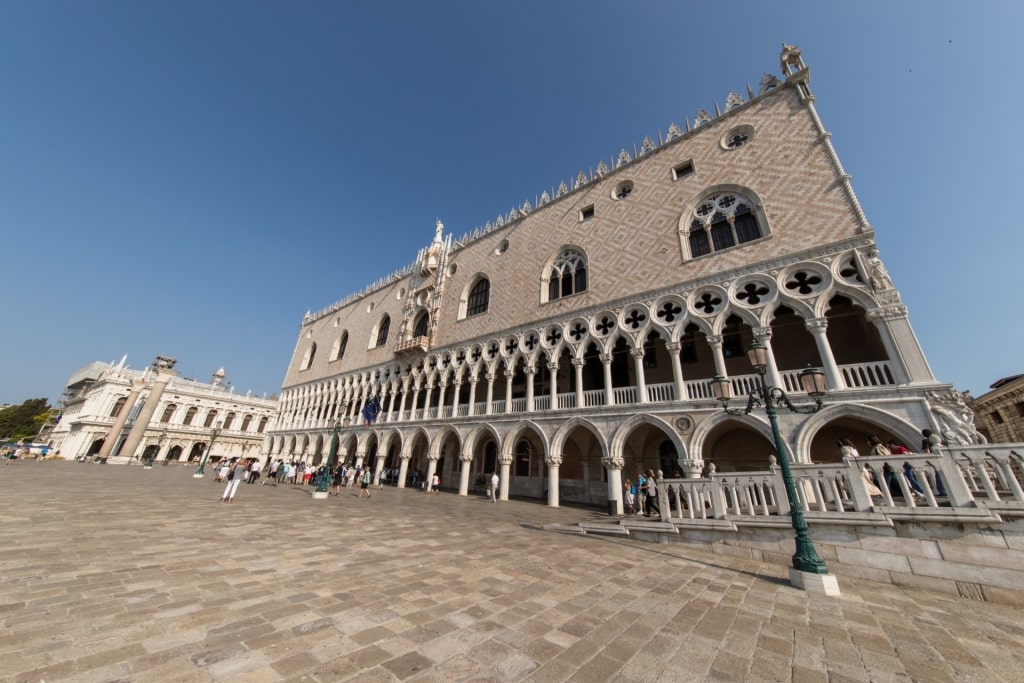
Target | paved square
(113,573)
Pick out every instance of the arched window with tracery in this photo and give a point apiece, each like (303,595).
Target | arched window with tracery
(245,423)
(422,326)
(228,420)
(383,328)
(168,412)
(721,221)
(479,297)
(568,275)
(210,417)
(190,415)
(263,425)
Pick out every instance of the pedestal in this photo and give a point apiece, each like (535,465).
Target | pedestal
(823,584)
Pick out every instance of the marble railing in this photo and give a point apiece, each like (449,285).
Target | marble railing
(857,376)
(970,482)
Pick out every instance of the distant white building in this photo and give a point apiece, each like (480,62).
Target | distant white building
(110,411)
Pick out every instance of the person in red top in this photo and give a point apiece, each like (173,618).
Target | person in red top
(897,448)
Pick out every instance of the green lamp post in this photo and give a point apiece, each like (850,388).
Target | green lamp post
(321,492)
(811,572)
(206,452)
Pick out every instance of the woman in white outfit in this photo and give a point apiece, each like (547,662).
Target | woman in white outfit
(235,474)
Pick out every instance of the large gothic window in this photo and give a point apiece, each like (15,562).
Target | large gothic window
(338,352)
(479,297)
(307,360)
(422,326)
(568,275)
(721,221)
(382,331)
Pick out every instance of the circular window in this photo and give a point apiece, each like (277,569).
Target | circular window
(623,190)
(452,269)
(501,248)
(400,294)
(737,137)
(370,306)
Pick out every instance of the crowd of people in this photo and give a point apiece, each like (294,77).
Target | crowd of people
(280,472)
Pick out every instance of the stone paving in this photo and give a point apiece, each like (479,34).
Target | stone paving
(114,573)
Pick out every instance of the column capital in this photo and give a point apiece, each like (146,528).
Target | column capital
(816,325)
(578,362)
(553,459)
(636,353)
(673,347)
(762,332)
(613,462)
(606,358)
(714,340)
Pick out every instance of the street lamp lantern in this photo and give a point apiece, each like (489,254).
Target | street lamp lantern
(808,570)
(206,452)
(321,492)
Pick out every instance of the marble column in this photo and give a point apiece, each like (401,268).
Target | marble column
(163,376)
(554,461)
(673,349)
(638,367)
(126,409)
(818,327)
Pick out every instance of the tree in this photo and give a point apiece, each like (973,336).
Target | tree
(24,421)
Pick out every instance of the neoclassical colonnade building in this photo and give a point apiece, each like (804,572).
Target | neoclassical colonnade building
(569,343)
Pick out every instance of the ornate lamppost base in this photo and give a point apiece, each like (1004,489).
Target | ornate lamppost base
(320,495)
(823,584)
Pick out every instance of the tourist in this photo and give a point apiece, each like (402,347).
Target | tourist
(495,480)
(877,447)
(641,493)
(847,450)
(435,484)
(234,477)
(221,473)
(364,482)
(629,491)
(652,495)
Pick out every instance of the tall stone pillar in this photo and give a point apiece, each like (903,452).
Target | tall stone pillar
(133,395)
(614,465)
(431,469)
(641,381)
(677,369)
(506,471)
(554,461)
(764,336)
(403,471)
(818,327)
(163,376)
(609,391)
(464,463)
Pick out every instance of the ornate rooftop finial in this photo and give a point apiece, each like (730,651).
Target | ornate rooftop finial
(623,158)
(438,229)
(732,101)
(768,82)
(674,131)
(702,117)
(648,145)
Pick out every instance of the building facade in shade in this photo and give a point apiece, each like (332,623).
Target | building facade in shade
(570,343)
(1000,412)
(118,414)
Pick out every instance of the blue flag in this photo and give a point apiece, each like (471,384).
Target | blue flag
(371,410)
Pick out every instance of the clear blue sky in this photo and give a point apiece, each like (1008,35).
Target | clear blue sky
(188,178)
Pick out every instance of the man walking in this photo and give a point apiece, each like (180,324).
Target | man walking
(495,480)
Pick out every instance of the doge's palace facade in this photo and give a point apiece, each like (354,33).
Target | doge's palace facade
(570,344)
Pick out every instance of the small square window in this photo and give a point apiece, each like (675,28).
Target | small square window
(587,213)
(682,170)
